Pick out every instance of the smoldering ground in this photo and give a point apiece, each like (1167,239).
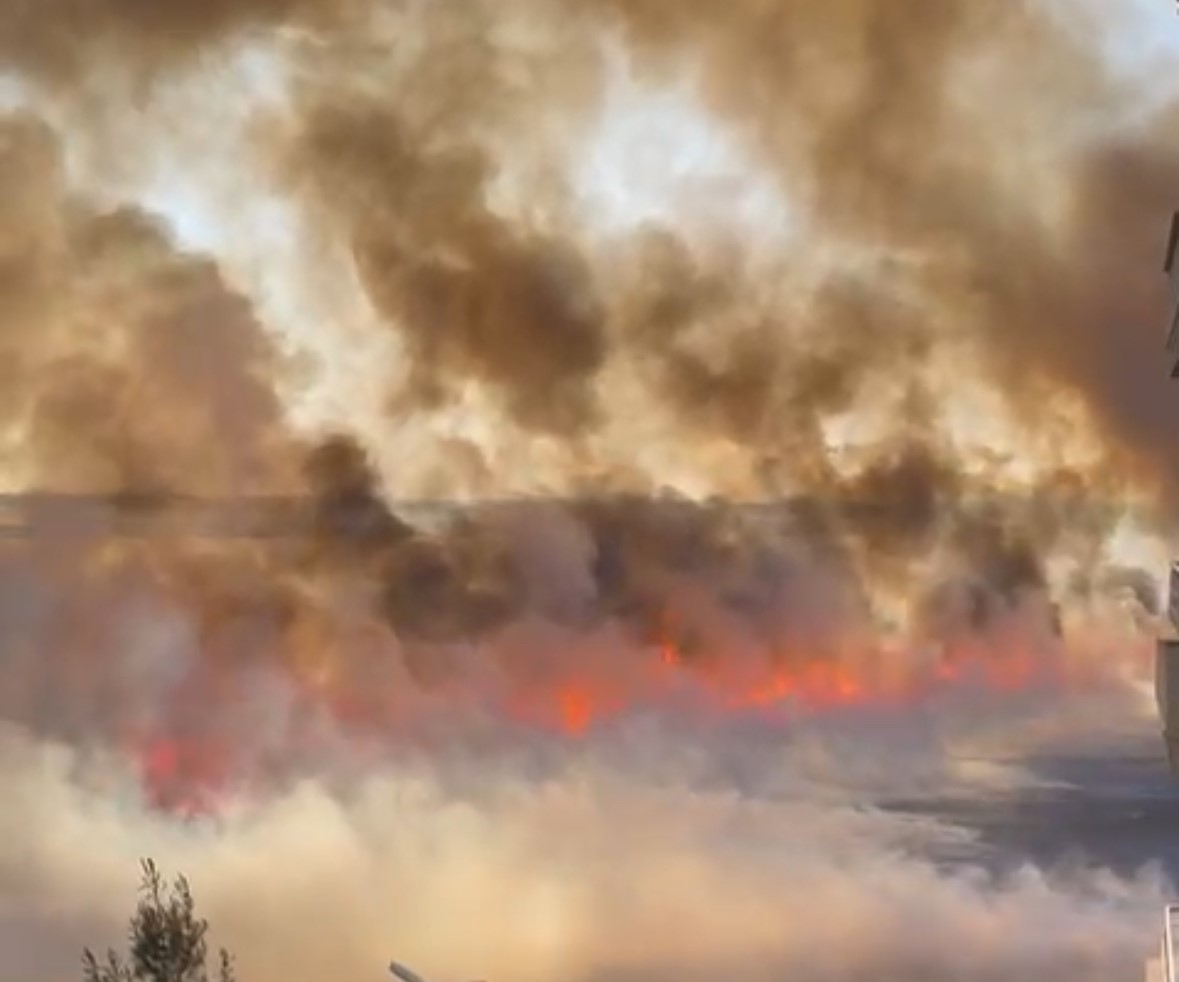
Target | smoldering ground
(898,264)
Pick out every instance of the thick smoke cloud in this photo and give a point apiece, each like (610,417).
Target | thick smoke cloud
(131,366)
(857,479)
(473,296)
(597,871)
(77,38)
(884,129)
(973,146)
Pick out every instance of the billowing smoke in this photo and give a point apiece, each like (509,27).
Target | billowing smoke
(599,865)
(520,473)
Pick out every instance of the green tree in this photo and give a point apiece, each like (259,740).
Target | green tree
(167,939)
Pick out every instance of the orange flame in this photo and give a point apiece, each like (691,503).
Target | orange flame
(186,775)
(183,776)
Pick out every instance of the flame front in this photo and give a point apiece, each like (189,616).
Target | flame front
(573,697)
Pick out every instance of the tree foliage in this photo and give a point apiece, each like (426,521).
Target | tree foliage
(166,940)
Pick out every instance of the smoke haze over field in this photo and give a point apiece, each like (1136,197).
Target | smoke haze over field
(783,386)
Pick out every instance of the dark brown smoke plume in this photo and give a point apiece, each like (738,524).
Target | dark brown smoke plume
(68,43)
(915,128)
(974,216)
(130,365)
(447,396)
(1013,242)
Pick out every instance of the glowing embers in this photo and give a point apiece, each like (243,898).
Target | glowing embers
(572,704)
(817,685)
(716,687)
(568,690)
(186,777)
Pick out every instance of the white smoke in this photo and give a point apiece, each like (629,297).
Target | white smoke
(652,851)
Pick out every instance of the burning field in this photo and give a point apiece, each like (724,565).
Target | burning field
(523,486)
